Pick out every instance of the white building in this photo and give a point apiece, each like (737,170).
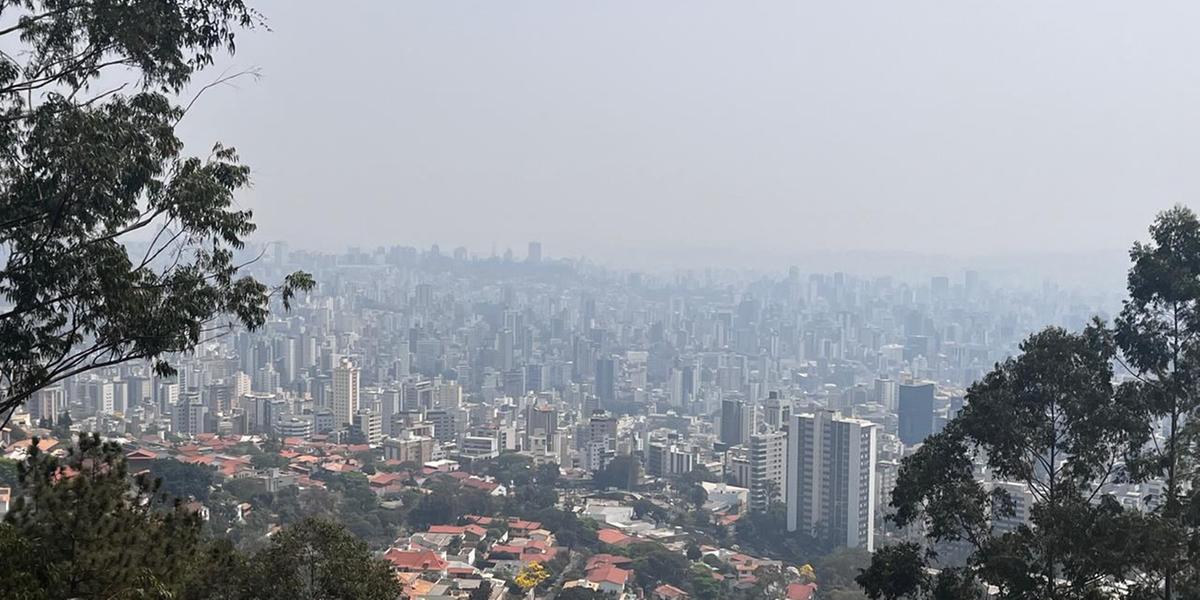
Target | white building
(768,469)
(345,393)
(370,424)
(723,497)
(300,426)
(831,478)
(479,446)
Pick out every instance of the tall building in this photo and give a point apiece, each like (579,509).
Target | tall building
(189,414)
(345,393)
(514,383)
(885,393)
(289,359)
(535,252)
(776,411)
(540,420)
(370,425)
(445,425)
(737,421)
(47,403)
(675,386)
(831,478)
(601,440)
(915,408)
(606,381)
(535,377)
(768,469)
(665,458)
(690,383)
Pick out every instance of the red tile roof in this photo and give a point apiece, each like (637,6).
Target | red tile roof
(599,560)
(667,590)
(524,525)
(479,484)
(613,537)
(801,591)
(140,454)
(384,479)
(608,574)
(414,560)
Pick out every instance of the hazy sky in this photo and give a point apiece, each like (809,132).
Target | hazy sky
(692,129)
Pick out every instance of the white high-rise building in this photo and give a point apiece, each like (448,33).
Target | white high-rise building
(345,393)
(370,424)
(886,391)
(48,403)
(601,441)
(768,469)
(831,478)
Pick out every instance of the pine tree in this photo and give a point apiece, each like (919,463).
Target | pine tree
(98,532)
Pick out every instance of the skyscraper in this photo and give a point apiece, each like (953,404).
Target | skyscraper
(514,382)
(885,393)
(535,252)
(737,421)
(606,381)
(915,404)
(831,478)
(345,393)
(540,420)
(601,442)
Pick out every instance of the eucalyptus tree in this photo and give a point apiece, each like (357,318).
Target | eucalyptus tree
(1044,425)
(1158,331)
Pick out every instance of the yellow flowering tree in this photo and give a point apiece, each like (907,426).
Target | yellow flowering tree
(807,574)
(531,575)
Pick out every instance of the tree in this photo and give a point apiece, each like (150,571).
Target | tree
(807,573)
(696,475)
(766,533)
(263,461)
(318,559)
(702,584)
(183,480)
(836,571)
(581,593)
(621,472)
(62,426)
(896,571)
(693,551)
(531,575)
(86,169)
(1062,444)
(97,532)
(656,564)
(10,473)
(1157,333)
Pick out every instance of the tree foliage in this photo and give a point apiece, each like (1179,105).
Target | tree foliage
(96,529)
(621,472)
(84,169)
(183,480)
(1157,331)
(317,559)
(1054,436)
